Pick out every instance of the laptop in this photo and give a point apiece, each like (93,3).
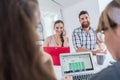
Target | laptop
(78,65)
(55,52)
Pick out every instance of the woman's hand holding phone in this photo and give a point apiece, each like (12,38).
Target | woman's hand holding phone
(64,35)
(64,32)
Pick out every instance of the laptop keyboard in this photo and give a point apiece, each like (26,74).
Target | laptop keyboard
(83,77)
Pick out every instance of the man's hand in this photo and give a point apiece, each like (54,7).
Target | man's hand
(82,49)
(94,52)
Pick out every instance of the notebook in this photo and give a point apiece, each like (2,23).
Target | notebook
(55,52)
(77,64)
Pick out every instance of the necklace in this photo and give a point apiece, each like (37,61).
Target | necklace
(57,40)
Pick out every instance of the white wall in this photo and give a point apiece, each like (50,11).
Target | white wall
(71,16)
(49,6)
(102,4)
(50,12)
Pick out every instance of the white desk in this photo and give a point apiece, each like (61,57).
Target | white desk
(97,67)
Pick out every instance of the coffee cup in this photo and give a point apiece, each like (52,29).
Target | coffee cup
(100,58)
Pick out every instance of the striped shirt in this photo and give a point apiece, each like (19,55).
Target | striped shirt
(82,39)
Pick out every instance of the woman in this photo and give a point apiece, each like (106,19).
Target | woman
(20,57)
(59,39)
(109,26)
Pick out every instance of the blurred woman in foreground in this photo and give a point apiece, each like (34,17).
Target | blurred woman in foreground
(20,57)
(109,27)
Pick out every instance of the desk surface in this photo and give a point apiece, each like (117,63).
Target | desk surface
(97,67)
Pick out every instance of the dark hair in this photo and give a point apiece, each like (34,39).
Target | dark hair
(58,21)
(62,40)
(82,12)
(20,58)
(26,8)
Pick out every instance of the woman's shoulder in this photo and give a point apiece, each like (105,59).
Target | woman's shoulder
(50,37)
(46,57)
(48,41)
(109,73)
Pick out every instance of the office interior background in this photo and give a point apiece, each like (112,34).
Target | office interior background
(68,10)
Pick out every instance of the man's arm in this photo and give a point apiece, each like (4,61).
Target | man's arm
(76,39)
(94,52)
(76,43)
(81,49)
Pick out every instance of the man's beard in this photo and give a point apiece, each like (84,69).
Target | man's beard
(86,24)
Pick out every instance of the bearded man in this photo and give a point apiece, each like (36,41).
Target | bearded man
(84,37)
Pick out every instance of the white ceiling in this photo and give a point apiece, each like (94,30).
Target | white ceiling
(66,3)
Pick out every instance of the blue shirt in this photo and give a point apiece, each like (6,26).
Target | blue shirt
(82,39)
(109,73)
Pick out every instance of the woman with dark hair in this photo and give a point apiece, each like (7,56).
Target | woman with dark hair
(59,39)
(20,57)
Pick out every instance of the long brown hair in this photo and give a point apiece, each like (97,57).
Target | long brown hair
(20,58)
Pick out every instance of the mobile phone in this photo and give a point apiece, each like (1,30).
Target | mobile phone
(61,34)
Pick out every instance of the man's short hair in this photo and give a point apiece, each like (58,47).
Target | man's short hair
(82,12)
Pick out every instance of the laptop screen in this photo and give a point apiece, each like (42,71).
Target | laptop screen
(76,63)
